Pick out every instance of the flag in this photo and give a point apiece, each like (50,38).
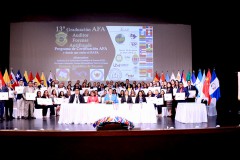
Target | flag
(214,89)
(188,78)
(206,86)
(44,79)
(50,78)
(167,77)
(6,77)
(163,77)
(156,78)
(25,75)
(202,96)
(25,78)
(178,76)
(37,79)
(193,78)
(198,82)
(30,77)
(173,76)
(18,76)
(13,80)
(1,78)
(183,79)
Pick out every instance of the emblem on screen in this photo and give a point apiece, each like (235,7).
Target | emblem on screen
(96,74)
(61,38)
(115,74)
(62,74)
(120,38)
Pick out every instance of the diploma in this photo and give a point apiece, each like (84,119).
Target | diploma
(3,95)
(11,94)
(30,96)
(19,89)
(58,100)
(180,96)
(168,96)
(159,101)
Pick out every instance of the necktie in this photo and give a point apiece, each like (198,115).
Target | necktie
(76,99)
(189,88)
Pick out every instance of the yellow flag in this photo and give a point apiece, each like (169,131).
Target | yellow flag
(44,79)
(6,77)
(26,76)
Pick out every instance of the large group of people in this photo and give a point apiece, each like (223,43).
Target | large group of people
(92,92)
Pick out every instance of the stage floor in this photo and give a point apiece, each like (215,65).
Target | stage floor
(163,123)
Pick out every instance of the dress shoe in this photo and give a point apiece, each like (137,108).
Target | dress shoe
(33,117)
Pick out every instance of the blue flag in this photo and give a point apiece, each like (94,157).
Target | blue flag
(214,89)
(193,78)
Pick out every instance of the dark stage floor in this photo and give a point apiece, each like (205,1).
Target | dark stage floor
(163,123)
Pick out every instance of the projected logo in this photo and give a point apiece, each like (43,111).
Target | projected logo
(96,74)
(61,38)
(118,58)
(135,59)
(120,38)
(62,74)
(115,74)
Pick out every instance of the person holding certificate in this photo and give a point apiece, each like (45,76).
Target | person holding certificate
(20,101)
(29,100)
(9,104)
(193,92)
(182,89)
(48,105)
(2,102)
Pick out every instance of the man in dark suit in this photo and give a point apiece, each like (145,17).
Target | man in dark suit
(191,98)
(77,97)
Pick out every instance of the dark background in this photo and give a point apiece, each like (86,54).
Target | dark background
(214,33)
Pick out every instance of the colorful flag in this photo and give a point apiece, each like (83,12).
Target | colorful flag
(167,77)
(163,77)
(50,78)
(198,82)
(13,80)
(183,79)
(193,78)
(173,76)
(1,78)
(178,76)
(214,89)
(25,75)
(44,79)
(30,77)
(188,78)
(206,86)
(156,78)
(37,79)
(6,77)
(18,76)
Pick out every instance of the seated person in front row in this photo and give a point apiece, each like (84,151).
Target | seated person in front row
(126,98)
(77,97)
(140,97)
(110,97)
(92,98)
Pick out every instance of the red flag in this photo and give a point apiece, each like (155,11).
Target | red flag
(30,77)
(156,79)
(206,86)
(163,77)
(1,78)
(13,80)
(38,77)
